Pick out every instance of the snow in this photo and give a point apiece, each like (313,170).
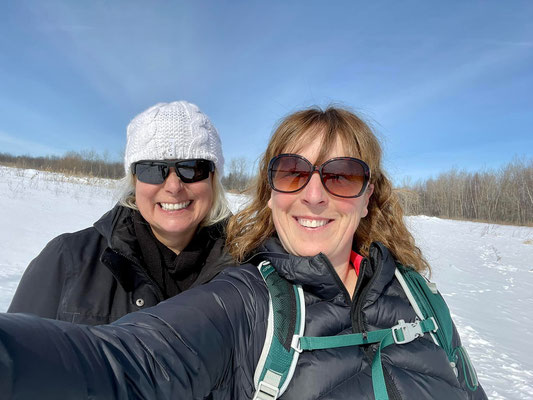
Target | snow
(485,271)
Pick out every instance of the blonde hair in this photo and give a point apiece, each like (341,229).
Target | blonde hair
(249,228)
(218,212)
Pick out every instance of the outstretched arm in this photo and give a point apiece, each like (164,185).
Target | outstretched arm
(182,348)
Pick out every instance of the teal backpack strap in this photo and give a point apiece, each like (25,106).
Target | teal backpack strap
(402,333)
(286,322)
(428,302)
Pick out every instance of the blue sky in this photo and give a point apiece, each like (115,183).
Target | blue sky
(445,84)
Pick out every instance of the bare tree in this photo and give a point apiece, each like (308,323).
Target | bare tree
(238,175)
(504,195)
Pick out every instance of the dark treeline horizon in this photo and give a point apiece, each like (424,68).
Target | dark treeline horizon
(87,163)
(503,195)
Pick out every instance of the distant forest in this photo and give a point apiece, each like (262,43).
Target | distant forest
(504,195)
(72,163)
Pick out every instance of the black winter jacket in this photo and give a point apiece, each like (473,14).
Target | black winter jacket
(206,342)
(97,275)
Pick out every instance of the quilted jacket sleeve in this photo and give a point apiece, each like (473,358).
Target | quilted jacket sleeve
(182,348)
(41,288)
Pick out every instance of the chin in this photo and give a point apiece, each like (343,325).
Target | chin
(308,252)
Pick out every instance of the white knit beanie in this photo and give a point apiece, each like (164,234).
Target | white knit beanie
(177,130)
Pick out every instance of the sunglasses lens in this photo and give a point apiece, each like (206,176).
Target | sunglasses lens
(289,173)
(150,173)
(344,177)
(191,171)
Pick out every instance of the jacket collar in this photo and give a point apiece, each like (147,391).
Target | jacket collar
(316,274)
(123,249)
(123,254)
(116,226)
(381,266)
(318,277)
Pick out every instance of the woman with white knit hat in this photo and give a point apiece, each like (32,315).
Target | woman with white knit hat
(164,236)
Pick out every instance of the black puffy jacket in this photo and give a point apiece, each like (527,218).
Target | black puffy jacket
(97,275)
(206,342)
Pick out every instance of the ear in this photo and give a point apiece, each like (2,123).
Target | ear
(269,203)
(368,192)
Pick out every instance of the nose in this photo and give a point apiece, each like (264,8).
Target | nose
(314,192)
(173,183)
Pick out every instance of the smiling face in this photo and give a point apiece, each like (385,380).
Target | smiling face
(174,209)
(313,221)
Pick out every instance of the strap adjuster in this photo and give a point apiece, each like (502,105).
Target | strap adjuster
(406,332)
(295,343)
(266,391)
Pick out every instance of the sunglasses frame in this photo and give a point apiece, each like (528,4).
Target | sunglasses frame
(172,164)
(313,168)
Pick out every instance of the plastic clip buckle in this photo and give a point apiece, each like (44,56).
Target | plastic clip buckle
(266,391)
(409,330)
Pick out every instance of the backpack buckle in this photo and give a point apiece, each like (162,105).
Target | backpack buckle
(266,391)
(406,332)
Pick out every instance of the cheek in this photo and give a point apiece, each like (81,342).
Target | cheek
(204,191)
(280,202)
(275,203)
(144,194)
(353,210)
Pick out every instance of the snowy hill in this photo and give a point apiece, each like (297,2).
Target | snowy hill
(485,271)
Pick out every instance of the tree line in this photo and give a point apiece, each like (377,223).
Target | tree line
(500,196)
(88,163)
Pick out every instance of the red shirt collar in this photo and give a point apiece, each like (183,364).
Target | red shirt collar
(355,261)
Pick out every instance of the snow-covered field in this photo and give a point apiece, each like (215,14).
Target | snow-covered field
(485,271)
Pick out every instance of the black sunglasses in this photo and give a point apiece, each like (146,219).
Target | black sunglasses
(342,176)
(156,171)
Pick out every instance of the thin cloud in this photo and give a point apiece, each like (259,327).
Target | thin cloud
(64,28)
(14,144)
(414,96)
(511,43)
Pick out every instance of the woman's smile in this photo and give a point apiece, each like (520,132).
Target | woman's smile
(174,206)
(312,223)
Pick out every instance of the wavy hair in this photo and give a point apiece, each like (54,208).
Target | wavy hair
(249,228)
(218,212)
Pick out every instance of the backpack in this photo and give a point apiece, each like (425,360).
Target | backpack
(286,323)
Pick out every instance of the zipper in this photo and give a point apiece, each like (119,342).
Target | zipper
(337,279)
(362,272)
(356,310)
(359,303)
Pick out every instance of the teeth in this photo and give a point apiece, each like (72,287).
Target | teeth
(174,206)
(312,223)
